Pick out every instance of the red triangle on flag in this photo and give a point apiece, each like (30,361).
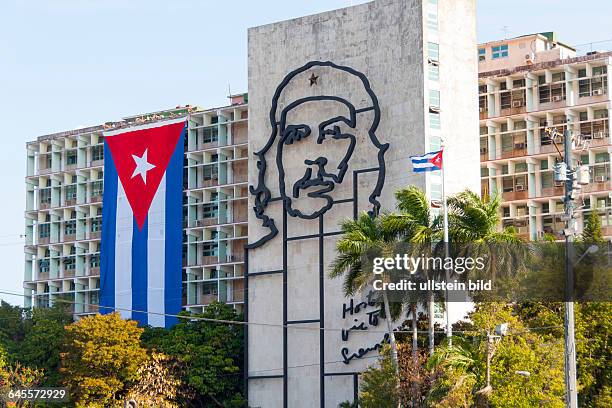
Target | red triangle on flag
(141,158)
(437,160)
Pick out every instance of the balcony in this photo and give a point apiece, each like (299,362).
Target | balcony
(597,186)
(552,191)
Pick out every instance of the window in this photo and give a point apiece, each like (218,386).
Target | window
(97,153)
(210,134)
(434,99)
(594,86)
(45,195)
(434,72)
(210,249)
(96,188)
(520,168)
(94,261)
(71,157)
(71,192)
(482,54)
(434,120)
(543,164)
(94,298)
(96,224)
(433,51)
(210,171)
(44,230)
(69,263)
(210,210)
(70,227)
(432,21)
(499,51)
(43,265)
(435,143)
(602,157)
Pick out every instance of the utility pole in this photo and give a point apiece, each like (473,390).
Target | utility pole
(566,172)
(571,392)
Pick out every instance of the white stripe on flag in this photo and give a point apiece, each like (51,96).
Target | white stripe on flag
(423,165)
(156,257)
(123,254)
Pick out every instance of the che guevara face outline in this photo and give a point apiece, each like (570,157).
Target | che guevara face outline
(321,172)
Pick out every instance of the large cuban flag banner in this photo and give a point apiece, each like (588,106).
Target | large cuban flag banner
(141,266)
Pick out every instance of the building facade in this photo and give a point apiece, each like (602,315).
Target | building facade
(64,187)
(338,102)
(526,85)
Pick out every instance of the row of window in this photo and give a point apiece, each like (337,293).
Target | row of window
(497,51)
(69,263)
(97,153)
(70,227)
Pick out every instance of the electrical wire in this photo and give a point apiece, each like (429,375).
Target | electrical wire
(273,325)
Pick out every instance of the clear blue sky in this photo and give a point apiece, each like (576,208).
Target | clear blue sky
(71,63)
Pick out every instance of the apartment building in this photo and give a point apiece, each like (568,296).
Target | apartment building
(526,85)
(63,217)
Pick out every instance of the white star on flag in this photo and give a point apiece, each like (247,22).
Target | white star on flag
(142,166)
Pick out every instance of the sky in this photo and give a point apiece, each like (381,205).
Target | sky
(72,63)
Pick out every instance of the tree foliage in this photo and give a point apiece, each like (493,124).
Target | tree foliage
(212,354)
(101,359)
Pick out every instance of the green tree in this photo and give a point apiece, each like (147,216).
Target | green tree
(522,350)
(591,232)
(11,327)
(362,238)
(44,335)
(101,358)
(160,383)
(458,366)
(211,353)
(14,376)
(378,388)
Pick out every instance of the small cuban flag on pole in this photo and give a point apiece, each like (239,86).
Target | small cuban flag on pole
(431,161)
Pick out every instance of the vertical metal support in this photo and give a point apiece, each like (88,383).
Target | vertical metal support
(321,313)
(355,388)
(285,353)
(246,326)
(571,392)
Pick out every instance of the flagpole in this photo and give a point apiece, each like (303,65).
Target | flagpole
(449,329)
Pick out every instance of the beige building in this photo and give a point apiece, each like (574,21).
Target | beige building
(63,217)
(339,101)
(527,84)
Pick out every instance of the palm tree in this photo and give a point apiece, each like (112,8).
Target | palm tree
(475,221)
(361,238)
(415,225)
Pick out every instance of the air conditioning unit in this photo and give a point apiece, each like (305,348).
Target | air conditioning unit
(599,135)
(598,91)
(559,183)
(517,104)
(519,187)
(600,179)
(556,98)
(483,150)
(482,110)
(519,146)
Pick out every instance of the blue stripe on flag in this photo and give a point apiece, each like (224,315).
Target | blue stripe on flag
(174,233)
(107,246)
(139,271)
(424,169)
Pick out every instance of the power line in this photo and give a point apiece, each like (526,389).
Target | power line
(276,325)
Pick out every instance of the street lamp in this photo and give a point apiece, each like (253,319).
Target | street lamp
(500,331)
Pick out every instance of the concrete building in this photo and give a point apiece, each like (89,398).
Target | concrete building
(338,102)
(64,187)
(527,84)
